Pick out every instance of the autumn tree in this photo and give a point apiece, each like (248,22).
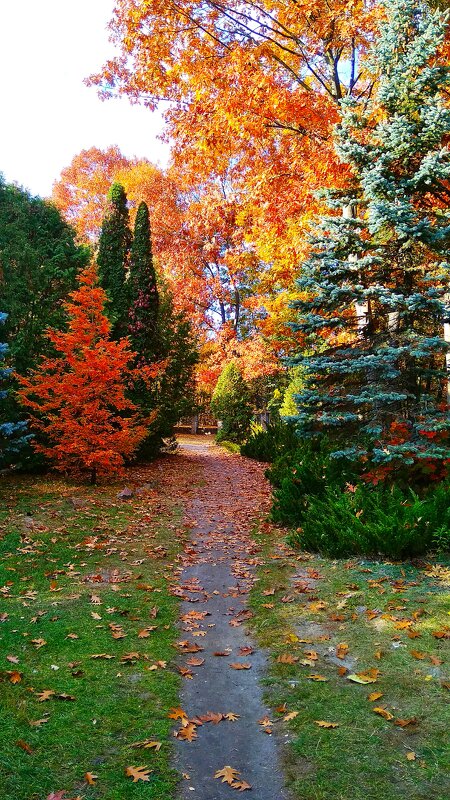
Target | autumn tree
(254,91)
(77,399)
(81,191)
(376,285)
(113,257)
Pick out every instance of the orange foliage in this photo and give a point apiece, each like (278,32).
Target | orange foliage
(77,398)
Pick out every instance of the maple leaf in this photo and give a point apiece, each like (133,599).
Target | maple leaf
(231,717)
(228,774)
(138,773)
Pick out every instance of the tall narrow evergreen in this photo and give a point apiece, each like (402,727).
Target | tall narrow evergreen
(12,434)
(377,280)
(144,297)
(114,256)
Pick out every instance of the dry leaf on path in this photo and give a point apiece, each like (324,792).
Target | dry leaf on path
(228,774)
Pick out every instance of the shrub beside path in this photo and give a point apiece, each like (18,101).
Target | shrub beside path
(221,719)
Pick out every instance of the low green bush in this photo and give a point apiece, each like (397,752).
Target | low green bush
(275,441)
(373,521)
(232,447)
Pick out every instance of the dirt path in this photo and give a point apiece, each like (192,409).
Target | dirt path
(218,571)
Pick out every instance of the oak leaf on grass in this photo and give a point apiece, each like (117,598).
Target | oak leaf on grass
(138,773)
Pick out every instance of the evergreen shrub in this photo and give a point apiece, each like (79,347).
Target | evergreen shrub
(374,521)
(273,442)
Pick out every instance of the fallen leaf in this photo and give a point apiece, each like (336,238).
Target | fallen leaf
(231,717)
(24,746)
(38,643)
(374,696)
(177,713)
(45,695)
(228,774)
(403,723)
(287,658)
(90,778)
(410,755)
(342,650)
(291,715)
(187,732)
(363,677)
(383,713)
(138,773)
(240,666)
(416,654)
(322,724)
(316,678)
(195,662)
(241,786)
(14,676)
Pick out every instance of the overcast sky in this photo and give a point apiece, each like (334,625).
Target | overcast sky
(47,48)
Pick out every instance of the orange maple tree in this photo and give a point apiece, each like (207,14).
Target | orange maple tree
(77,398)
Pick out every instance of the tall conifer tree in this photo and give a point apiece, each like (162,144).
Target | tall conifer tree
(144,297)
(114,256)
(12,433)
(377,279)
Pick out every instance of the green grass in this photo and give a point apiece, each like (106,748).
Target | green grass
(77,572)
(365,758)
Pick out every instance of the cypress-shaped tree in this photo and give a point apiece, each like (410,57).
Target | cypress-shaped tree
(113,258)
(231,404)
(144,296)
(377,280)
(12,433)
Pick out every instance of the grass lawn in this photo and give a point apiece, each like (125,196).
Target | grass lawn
(86,639)
(388,626)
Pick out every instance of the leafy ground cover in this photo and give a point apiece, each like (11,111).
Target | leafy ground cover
(358,672)
(86,638)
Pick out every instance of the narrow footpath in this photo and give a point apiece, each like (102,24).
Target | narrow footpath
(220,728)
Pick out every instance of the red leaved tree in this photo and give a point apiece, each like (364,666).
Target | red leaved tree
(78,398)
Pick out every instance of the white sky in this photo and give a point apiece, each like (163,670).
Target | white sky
(47,115)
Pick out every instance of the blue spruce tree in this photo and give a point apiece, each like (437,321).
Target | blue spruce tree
(377,280)
(12,434)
